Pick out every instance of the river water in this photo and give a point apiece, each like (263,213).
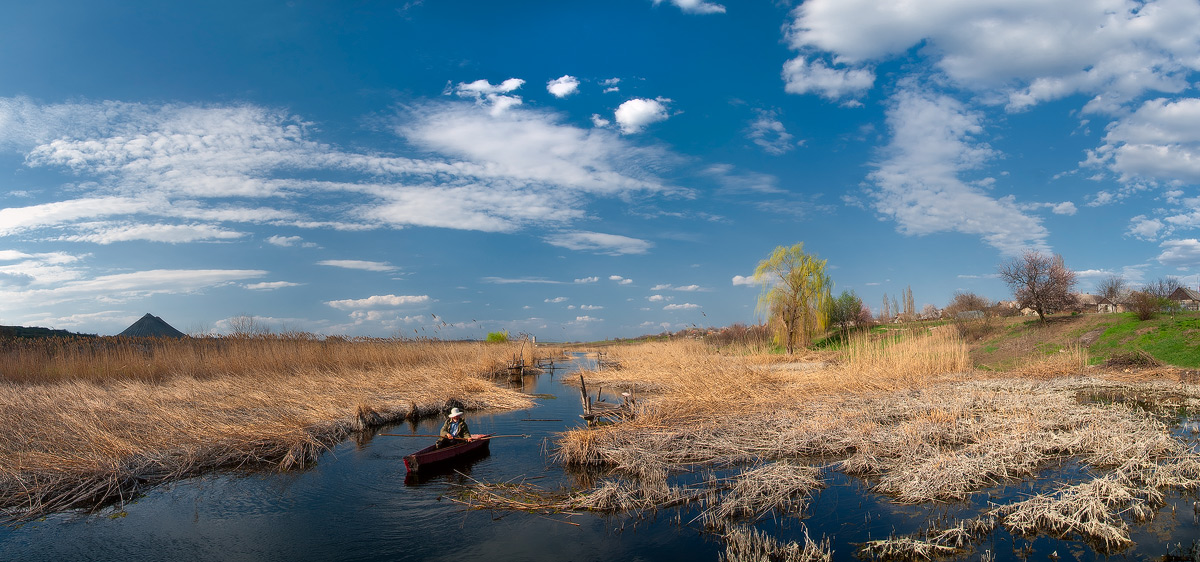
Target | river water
(355,504)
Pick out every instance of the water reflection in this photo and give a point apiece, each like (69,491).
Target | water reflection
(358,503)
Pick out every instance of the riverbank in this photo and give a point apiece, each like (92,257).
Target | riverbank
(907,416)
(80,437)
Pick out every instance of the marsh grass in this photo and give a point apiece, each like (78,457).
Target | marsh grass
(75,440)
(907,414)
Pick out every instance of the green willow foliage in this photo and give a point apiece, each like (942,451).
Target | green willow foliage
(796,294)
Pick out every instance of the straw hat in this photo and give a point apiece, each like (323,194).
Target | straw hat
(455,412)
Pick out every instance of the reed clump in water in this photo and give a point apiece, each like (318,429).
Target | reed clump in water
(747,544)
(918,422)
(82,441)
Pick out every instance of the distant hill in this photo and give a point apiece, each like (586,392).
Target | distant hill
(151,326)
(35,332)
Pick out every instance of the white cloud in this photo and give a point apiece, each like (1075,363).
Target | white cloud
(768,132)
(523,280)
(637,113)
(668,287)
(918,183)
(1026,51)
(359,264)
(1160,141)
(590,307)
(587,319)
(1064,208)
(683,306)
(492,96)
(620,280)
(271,286)
(109,233)
(1180,253)
(801,77)
(592,279)
(659,298)
(599,121)
(556,300)
(563,86)
(742,280)
(600,243)
(71,285)
(696,6)
(284,241)
(379,301)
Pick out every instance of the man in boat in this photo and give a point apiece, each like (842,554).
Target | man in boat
(455,430)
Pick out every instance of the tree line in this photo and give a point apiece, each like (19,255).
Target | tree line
(799,305)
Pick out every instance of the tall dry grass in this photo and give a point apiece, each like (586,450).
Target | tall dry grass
(77,438)
(907,412)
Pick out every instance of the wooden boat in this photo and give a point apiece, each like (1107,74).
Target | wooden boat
(432,455)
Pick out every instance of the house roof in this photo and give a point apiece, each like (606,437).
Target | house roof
(1184,293)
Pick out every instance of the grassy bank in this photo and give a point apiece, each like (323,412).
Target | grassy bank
(99,420)
(906,413)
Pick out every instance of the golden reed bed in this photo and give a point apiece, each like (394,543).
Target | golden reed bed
(907,412)
(91,421)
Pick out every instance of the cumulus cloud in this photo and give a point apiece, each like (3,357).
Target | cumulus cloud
(556,300)
(563,86)
(801,76)
(636,114)
(1026,52)
(919,185)
(359,264)
(742,280)
(696,6)
(284,241)
(620,280)
(492,96)
(683,306)
(379,301)
(1160,141)
(592,279)
(598,242)
(1180,253)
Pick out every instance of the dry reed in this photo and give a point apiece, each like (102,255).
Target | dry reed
(82,441)
(747,544)
(924,430)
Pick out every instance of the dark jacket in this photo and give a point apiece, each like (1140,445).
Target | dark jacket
(461,433)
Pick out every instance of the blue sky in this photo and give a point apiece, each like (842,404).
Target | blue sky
(577,170)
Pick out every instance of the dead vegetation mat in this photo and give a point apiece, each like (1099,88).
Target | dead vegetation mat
(936,438)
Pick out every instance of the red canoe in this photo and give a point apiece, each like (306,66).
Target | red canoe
(432,455)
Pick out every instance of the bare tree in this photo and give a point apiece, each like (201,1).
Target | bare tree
(1038,281)
(1162,287)
(966,302)
(885,313)
(910,306)
(1114,288)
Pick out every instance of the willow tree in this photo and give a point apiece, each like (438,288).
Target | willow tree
(796,293)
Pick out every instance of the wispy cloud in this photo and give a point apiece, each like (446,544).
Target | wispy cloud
(379,301)
(362,265)
(598,242)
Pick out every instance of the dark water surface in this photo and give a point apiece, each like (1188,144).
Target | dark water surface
(355,505)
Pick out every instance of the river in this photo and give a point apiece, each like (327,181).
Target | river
(354,504)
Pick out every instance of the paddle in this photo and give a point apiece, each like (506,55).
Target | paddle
(439,436)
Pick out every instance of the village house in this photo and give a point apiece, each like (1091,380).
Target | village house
(1188,299)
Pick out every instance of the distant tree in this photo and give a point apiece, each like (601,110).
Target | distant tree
(246,326)
(930,311)
(796,292)
(896,308)
(1043,283)
(910,306)
(498,337)
(966,302)
(1114,288)
(1144,304)
(885,313)
(844,311)
(864,319)
(1162,287)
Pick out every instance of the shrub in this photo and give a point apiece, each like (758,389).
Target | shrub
(1144,305)
(498,337)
